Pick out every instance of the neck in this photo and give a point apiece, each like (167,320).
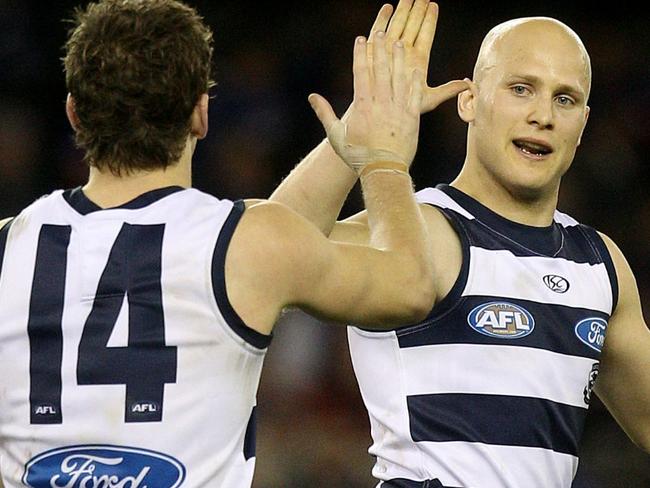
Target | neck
(534,208)
(108,190)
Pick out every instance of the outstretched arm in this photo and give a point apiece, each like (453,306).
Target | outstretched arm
(319,185)
(623,382)
(278,259)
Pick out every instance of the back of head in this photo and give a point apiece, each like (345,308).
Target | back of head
(135,70)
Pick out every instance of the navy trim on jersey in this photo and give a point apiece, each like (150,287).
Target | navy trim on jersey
(483,418)
(253,337)
(452,298)
(250,439)
(78,200)
(404,483)
(4,233)
(455,329)
(601,248)
(541,240)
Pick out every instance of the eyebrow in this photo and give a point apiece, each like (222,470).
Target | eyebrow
(562,88)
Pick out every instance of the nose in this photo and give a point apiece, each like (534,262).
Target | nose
(541,114)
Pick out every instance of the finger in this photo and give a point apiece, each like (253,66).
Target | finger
(433,97)
(398,20)
(400,87)
(381,68)
(381,22)
(323,111)
(361,71)
(424,39)
(417,90)
(415,19)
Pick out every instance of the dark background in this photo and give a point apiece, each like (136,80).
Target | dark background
(313,430)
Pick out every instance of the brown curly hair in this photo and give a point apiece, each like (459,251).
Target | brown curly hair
(136,69)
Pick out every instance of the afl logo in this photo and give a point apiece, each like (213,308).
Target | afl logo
(592,331)
(501,319)
(556,283)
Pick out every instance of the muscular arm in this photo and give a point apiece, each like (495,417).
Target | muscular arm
(319,185)
(277,258)
(624,379)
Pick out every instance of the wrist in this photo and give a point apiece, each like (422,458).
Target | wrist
(395,167)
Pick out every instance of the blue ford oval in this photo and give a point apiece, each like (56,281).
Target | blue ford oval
(96,465)
(592,332)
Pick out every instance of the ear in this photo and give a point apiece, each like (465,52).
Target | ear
(587,110)
(71,112)
(466,102)
(200,117)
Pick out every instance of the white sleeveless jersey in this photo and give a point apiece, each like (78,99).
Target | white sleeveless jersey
(492,389)
(123,363)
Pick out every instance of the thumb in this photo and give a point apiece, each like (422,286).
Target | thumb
(435,96)
(334,128)
(323,111)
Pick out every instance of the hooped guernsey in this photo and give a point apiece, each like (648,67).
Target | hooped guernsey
(123,363)
(492,389)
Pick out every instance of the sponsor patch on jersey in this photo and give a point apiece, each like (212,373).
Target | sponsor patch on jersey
(501,319)
(556,283)
(103,466)
(592,331)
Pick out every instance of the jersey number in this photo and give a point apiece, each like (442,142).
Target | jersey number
(133,271)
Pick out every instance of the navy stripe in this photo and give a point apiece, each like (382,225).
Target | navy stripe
(235,322)
(404,483)
(496,419)
(489,230)
(4,233)
(77,199)
(554,328)
(250,439)
(44,324)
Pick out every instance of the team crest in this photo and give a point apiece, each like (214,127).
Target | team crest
(501,319)
(593,374)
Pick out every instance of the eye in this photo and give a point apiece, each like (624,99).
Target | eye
(520,90)
(565,100)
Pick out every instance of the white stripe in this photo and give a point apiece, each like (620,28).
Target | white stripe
(564,220)
(476,465)
(441,199)
(502,274)
(530,372)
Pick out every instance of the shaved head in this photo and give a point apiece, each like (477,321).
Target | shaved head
(520,34)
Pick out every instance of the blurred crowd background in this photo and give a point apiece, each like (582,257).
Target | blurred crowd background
(312,429)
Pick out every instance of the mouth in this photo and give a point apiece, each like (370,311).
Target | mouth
(533,149)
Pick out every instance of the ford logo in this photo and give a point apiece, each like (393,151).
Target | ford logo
(501,319)
(105,466)
(592,331)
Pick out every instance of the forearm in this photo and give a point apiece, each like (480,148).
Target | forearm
(397,227)
(317,187)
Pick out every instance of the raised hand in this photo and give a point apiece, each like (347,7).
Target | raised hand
(414,24)
(383,122)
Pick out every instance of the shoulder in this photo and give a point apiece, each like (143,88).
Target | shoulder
(4,222)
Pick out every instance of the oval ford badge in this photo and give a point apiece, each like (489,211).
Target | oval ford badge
(501,319)
(592,331)
(105,466)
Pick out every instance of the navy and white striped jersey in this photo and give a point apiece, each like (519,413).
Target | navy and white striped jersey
(492,389)
(123,363)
